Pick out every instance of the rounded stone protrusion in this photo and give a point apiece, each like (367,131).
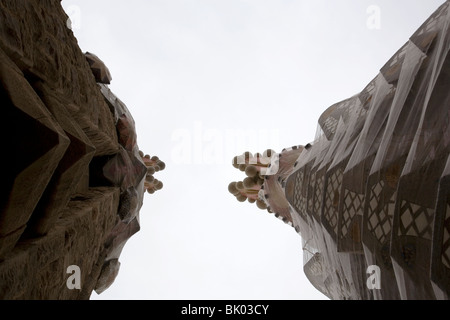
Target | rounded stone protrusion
(241,198)
(248,183)
(261,204)
(161,165)
(232,188)
(151,170)
(98,68)
(110,270)
(159,185)
(251,171)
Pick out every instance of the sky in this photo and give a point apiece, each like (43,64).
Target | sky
(206,80)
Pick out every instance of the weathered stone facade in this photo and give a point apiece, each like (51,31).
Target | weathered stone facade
(74,177)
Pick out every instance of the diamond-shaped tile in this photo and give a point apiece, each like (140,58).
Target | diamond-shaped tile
(373,221)
(407,219)
(333,221)
(348,201)
(344,231)
(421,222)
(387,227)
(379,234)
(382,215)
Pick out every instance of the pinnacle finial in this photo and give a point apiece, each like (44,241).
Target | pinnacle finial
(153,164)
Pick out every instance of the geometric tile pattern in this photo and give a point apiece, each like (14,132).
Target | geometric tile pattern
(330,125)
(318,191)
(329,120)
(353,205)
(299,198)
(415,220)
(311,186)
(380,219)
(331,207)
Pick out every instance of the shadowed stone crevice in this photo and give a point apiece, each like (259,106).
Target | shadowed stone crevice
(42,139)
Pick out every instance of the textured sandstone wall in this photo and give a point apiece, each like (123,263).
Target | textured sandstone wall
(35,36)
(67,176)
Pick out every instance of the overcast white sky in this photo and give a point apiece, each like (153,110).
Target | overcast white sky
(196,75)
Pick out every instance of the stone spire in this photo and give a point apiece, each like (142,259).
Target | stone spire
(266,174)
(153,164)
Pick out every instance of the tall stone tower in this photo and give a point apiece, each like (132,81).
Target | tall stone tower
(73,177)
(370,196)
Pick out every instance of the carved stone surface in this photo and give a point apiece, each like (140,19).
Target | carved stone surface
(75,179)
(99,69)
